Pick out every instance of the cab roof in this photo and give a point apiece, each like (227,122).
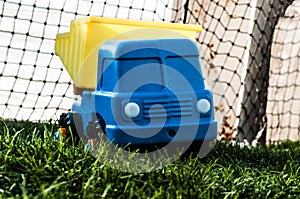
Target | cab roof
(123,49)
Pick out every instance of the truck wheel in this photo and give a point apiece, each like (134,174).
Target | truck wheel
(72,122)
(96,127)
(101,122)
(94,131)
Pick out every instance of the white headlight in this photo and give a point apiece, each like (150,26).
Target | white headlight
(132,110)
(203,106)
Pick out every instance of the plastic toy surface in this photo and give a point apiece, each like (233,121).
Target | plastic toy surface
(78,49)
(141,82)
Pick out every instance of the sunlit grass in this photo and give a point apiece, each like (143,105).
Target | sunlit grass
(33,165)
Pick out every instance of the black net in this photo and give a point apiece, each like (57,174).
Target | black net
(255,88)
(283,107)
(236,53)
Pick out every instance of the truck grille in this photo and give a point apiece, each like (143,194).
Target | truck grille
(161,108)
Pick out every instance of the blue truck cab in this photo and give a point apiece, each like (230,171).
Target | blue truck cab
(148,92)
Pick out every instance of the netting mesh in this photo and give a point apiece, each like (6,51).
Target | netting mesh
(34,83)
(283,108)
(236,46)
(246,77)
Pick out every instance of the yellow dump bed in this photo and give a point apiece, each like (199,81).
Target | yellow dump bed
(78,49)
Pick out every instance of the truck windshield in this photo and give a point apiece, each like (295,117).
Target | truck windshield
(183,73)
(129,75)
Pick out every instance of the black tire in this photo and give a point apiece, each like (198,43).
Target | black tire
(101,122)
(72,121)
(96,127)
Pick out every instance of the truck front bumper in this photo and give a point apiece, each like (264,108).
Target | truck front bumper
(162,135)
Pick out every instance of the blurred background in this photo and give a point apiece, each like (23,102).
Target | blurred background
(249,52)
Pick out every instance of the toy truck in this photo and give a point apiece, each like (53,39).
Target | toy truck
(139,82)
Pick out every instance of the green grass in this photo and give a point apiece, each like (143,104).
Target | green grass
(33,165)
